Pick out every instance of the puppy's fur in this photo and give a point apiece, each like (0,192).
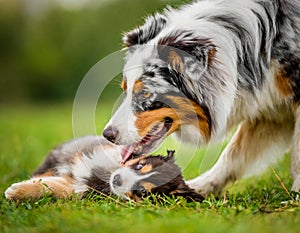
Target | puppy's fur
(200,70)
(93,164)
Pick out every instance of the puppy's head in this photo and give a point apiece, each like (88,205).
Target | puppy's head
(151,175)
(162,95)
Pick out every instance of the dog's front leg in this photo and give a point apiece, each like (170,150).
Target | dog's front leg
(295,168)
(254,144)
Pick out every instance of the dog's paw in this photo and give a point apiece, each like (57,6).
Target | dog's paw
(296,185)
(206,184)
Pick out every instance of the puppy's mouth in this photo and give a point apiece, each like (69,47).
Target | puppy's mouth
(148,143)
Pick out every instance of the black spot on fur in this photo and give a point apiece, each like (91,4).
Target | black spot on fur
(153,25)
(150,74)
(49,165)
(99,181)
(285,50)
(248,67)
(196,49)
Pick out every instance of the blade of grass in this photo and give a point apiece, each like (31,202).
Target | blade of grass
(282,184)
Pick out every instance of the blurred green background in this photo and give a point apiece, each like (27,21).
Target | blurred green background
(47,46)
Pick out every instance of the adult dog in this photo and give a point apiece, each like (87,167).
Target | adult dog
(201,69)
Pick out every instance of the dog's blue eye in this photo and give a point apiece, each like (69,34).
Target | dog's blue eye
(139,166)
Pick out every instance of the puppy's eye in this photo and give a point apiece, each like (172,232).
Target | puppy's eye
(139,166)
(143,191)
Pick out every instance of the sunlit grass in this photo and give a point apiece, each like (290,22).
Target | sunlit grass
(28,132)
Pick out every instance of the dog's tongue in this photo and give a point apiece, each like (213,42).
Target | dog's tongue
(127,151)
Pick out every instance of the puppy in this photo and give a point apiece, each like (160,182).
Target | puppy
(200,70)
(92,163)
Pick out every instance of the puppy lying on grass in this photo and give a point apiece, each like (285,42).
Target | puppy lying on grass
(92,163)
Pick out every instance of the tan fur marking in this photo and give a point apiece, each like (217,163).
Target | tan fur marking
(147,168)
(146,120)
(78,156)
(133,161)
(148,186)
(124,85)
(282,82)
(63,190)
(138,86)
(185,112)
(48,173)
(211,55)
(176,62)
(133,197)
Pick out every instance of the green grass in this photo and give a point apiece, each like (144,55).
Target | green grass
(28,132)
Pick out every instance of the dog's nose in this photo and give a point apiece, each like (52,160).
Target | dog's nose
(111,133)
(117,181)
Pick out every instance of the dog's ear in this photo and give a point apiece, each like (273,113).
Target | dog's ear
(183,54)
(153,25)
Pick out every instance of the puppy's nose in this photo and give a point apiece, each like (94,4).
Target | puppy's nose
(117,181)
(111,133)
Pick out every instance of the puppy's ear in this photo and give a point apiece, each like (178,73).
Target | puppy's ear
(190,196)
(153,25)
(188,193)
(183,54)
(170,156)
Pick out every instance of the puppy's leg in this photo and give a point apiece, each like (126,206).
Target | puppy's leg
(295,168)
(255,144)
(38,187)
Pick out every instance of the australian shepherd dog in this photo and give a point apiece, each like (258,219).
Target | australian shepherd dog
(199,70)
(93,164)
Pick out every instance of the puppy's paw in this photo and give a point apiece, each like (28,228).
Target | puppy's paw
(29,189)
(38,187)
(12,191)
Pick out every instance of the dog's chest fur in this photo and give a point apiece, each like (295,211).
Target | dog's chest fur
(267,103)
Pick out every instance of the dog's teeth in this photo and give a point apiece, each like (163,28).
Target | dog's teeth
(145,139)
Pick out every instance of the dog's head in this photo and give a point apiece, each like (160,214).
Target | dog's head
(147,175)
(162,91)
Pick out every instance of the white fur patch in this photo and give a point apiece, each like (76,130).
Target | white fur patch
(128,178)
